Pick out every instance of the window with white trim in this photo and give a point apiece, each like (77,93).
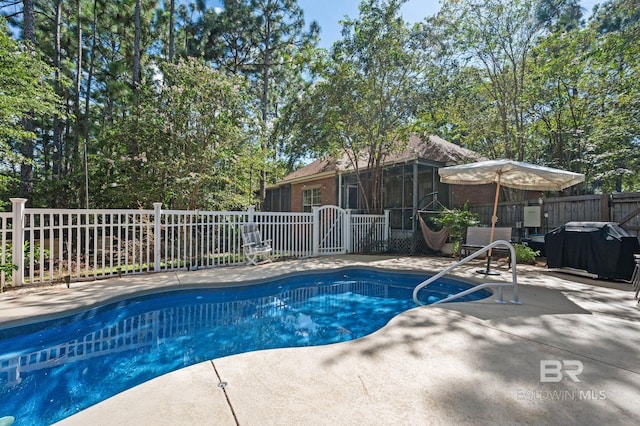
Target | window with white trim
(310,198)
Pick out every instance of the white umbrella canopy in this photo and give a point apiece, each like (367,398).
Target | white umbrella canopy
(512,174)
(509,173)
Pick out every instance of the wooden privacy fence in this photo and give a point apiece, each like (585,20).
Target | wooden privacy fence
(48,245)
(623,208)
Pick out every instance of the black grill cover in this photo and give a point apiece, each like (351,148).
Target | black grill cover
(601,248)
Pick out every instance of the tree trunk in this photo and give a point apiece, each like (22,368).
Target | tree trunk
(265,109)
(26,147)
(136,48)
(137,80)
(172,12)
(87,103)
(78,111)
(57,131)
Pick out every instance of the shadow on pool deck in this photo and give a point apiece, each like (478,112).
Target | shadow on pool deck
(468,363)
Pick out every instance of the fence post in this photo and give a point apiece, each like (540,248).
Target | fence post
(348,244)
(316,231)
(250,212)
(385,231)
(17,239)
(605,206)
(157,221)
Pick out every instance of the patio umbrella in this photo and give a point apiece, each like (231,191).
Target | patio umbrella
(509,173)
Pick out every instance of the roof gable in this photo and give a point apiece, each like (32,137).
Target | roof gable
(430,148)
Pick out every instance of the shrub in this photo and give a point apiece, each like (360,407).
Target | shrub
(525,254)
(8,269)
(457,221)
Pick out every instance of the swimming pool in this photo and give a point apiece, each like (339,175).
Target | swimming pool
(53,369)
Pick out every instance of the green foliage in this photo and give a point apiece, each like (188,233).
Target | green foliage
(611,89)
(456,248)
(526,79)
(267,43)
(525,254)
(187,145)
(27,253)
(23,87)
(8,269)
(363,104)
(457,221)
(37,255)
(553,87)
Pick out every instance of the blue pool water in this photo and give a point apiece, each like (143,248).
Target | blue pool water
(53,369)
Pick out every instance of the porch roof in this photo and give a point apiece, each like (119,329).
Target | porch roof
(431,148)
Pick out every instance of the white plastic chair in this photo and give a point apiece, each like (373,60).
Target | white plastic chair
(256,250)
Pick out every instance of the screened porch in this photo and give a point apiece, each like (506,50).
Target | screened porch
(406,188)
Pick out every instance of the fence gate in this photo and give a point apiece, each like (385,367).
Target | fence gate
(331,230)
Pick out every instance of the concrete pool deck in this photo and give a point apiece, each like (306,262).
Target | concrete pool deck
(463,363)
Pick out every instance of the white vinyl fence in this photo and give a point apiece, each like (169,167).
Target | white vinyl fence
(369,233)
(5,248)
(53,245)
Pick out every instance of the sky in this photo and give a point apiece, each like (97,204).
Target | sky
(328,13)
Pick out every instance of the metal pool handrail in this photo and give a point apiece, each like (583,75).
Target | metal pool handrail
(499,284)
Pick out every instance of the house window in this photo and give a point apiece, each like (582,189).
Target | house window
(310,198)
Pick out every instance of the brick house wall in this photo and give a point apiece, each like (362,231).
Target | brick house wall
(328,192)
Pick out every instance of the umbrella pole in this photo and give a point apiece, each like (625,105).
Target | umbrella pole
(494,219)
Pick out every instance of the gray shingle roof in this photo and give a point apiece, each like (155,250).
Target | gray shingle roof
(430,148)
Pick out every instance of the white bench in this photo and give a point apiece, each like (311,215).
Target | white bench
(479,237)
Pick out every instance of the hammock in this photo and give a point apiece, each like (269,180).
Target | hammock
(435,239)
